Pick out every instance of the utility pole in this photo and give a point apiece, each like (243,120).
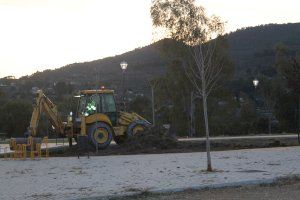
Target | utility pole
(99,79)
(153,111)
(153,84)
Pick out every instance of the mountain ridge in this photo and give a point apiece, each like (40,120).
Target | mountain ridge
(251,49)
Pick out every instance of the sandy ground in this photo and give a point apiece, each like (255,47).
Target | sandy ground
(281,190)
(72,178)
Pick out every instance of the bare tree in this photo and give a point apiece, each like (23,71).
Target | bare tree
(269,90)
(189,24)
(269,105)
(204,75)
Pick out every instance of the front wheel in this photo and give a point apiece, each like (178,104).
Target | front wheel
(100,134)
(136,127)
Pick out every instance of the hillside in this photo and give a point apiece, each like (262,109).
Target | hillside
(251,49)
(143,64)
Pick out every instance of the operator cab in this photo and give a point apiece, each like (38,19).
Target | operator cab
(97,101)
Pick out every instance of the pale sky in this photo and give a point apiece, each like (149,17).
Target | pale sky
(47,34)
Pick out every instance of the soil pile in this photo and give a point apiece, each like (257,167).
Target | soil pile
(151,138)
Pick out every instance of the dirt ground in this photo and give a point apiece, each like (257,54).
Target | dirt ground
(177,147)
(156,141)
(284,189)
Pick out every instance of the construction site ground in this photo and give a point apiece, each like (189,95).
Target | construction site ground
(156,145)
(159,144)
(114,176)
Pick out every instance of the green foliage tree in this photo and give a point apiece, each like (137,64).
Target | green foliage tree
(141,105)
(172,97)
(62,88)
(184,21)
(15,117)
(288,67)
(248,117)
(2,94)
(269,89)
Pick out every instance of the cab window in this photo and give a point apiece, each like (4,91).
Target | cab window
(82,104)
(89,104)
(108,103)
(95,100)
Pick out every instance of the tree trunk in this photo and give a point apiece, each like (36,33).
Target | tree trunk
(298,119)
(153,111)
(209,167)
(298,112)
(192,116)
(269,125)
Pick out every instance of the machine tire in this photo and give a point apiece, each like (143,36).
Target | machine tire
(136,124)
(100,134)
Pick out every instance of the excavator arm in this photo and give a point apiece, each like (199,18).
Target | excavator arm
(44,105)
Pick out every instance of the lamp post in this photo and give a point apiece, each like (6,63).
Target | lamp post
(123,65)
(255,84)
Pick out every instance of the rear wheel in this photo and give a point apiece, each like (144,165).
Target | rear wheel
(100,134)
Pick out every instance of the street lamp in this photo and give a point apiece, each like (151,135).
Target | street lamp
(123,65)
(255,82)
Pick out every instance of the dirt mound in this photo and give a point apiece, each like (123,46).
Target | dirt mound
(151,138)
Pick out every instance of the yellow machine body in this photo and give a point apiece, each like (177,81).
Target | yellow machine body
(85,121)
(92,119)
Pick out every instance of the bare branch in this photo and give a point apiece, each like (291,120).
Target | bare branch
(205,74)
(194,77)
(214,77)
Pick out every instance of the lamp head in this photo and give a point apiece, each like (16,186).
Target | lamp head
(123,65)
(255,82)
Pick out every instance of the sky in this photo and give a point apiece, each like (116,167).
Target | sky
(46,34)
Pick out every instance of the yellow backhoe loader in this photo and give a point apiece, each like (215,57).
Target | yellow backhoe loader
(96,120)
